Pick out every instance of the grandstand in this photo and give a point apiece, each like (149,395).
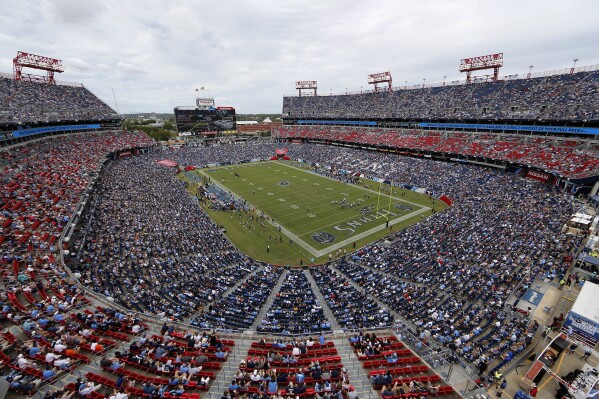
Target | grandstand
(566,97)
(543,124)
(33,107)
(115,281)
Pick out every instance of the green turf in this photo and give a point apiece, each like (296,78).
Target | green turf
(307,207)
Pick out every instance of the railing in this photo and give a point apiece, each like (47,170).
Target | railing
(65,83)
(5,75)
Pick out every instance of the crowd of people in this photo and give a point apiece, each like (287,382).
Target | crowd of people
(558,97)
(42,184)
(25,101)
(144,243)
(239,309)
(353,309)
(573,157)
(452,243)
(55,342)
(291,369)
(295,310)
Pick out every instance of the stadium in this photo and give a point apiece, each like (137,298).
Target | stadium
(407,241)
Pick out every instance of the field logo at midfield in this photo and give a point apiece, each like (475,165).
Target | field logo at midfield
(283,183)
(323,237)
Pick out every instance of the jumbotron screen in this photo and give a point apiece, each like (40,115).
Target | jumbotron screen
(201,121)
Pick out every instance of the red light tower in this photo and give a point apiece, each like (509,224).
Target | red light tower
(383,77)
(311,85)
(491,61)
(26,60)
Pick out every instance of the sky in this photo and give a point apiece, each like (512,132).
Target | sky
(248,54)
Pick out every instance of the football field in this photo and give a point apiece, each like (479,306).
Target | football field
(315,212)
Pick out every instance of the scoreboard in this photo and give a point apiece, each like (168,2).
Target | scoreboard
(205,120)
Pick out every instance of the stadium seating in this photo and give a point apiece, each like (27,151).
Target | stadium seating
(239,309)
(24,101)
(397,369)
(353,309)
(295,309)
(143,243)
(570,158)
(560,97)
(309,372)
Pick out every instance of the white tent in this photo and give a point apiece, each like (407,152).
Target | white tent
(584,315)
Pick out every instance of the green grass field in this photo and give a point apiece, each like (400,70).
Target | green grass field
(309,217)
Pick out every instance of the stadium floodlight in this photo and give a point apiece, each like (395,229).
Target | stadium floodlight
(574,66)
(310,85)
(382,77)
(27,60)
(491,61)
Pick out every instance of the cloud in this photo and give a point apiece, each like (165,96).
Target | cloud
(77,64)
(130,69)
(75,12)
(155,53)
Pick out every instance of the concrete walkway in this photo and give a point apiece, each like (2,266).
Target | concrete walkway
(325,307)
(269,301)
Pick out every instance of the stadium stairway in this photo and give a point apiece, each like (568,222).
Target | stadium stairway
(325,307)
(229,369)
(65,379)
(402,280)
(356,374)
(224,294)
(382,304)
(269,301)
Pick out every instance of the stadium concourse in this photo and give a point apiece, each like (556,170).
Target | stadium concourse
(148,297)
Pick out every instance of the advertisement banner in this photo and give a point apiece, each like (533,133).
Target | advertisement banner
(583,327)
(540,176)
(39,130)
(521,128)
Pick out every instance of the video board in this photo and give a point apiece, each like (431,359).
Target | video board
(210,119)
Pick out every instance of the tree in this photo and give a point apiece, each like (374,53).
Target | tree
(168,125)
